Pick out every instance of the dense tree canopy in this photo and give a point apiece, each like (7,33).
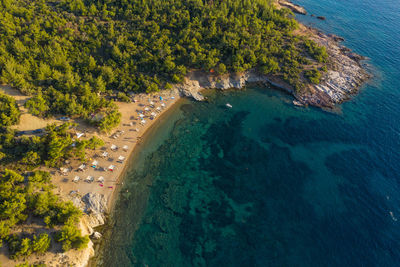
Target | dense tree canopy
(70,53)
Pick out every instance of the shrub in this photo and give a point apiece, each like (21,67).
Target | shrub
(9,112)
(313,76)
(70,237)
(41,243)
(123,97)
(19,247)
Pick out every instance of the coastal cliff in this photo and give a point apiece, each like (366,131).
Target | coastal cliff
(344,77)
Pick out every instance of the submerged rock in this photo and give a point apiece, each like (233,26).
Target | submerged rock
(97,235)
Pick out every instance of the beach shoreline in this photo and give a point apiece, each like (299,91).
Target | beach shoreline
(132,154)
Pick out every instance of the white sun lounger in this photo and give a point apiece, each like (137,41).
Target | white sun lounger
(82,167)
(111,167)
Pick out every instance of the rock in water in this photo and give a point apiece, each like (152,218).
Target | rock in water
(295,8)
(97,235)
(321,18)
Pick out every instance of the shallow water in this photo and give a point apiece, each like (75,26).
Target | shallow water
(270,184)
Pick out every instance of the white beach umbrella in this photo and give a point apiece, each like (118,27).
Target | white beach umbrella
(141,116)
(146,109)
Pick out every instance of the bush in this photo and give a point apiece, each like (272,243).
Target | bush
(317,52)
(123,97)
(111,119)
(9,112)
(19,247)
(70,237)
(313,76)
(37,105)
(41,244)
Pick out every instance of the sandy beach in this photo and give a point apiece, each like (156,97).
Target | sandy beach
(116,153)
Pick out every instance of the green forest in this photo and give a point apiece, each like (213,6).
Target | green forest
(73,57)
(71,54)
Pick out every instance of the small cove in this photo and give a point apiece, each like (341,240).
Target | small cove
(267,183)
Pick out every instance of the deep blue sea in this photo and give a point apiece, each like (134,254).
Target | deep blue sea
(270,184)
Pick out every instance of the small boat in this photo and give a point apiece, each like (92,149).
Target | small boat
(228,105)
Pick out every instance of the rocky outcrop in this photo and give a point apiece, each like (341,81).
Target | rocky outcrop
(196,81)
(295,8)
(344,77)
(95,207)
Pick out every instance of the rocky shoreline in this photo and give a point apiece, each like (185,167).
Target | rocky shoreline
(345,75)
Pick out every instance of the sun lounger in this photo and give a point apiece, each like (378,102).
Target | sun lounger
(111,167)
(82,167)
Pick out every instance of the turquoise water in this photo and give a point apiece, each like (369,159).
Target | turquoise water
(270,184)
